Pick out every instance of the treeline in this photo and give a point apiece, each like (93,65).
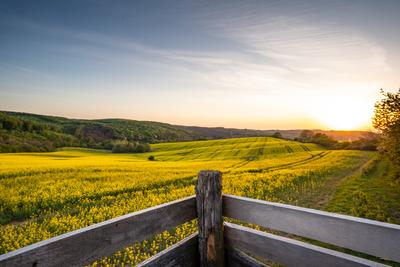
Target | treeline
(124,146)
(21,134)
(15,124)
(368,142)
(18,135)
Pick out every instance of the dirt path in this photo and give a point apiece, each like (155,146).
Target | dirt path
(330,187)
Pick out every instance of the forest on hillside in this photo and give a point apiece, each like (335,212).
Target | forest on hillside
(25,132)
(30,132)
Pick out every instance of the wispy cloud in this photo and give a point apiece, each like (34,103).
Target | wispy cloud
(229,69)
(301,45)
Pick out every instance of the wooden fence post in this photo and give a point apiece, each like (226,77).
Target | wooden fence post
(210,222)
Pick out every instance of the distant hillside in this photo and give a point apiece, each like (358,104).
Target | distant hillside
(33,132)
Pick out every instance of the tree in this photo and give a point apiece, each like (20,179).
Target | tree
(306,134)
(123,146)
(10,123)
(323,140)
(387,121)
(27,126)
(277,135)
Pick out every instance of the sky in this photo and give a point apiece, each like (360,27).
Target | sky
(243,64)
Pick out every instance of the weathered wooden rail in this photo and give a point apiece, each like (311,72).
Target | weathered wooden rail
(219,243)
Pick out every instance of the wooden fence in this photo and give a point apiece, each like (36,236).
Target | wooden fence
(220,243)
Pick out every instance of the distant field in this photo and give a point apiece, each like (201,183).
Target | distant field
(47,194)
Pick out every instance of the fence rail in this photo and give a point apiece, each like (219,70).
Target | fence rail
(183,253)
(363,235)
(221,243)
(286,250)
(88,244)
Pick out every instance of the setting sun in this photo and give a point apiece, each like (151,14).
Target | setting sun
(343,114)
(342,121)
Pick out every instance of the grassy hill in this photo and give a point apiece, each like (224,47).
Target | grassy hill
(32,132)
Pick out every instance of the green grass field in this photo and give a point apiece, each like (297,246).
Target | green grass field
(46,194)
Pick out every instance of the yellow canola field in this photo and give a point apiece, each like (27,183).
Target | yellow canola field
(46,194)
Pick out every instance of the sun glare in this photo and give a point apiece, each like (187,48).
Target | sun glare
(341,121)
(341,114)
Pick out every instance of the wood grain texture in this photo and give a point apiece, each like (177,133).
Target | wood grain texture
(85,245)
(210,221)
(237,258)
(182,254)
(287,251)
(367,236)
